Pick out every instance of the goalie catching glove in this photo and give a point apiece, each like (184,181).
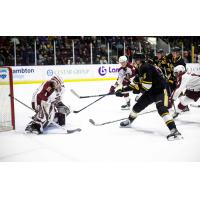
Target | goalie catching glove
(62,108)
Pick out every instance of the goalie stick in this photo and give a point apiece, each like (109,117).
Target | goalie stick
(57,125)
(68,131)
(109,122)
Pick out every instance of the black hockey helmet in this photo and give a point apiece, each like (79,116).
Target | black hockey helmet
(139,56)
(176,49)
(160,51)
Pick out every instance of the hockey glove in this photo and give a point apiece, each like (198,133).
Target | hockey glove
(118,93)
(112,90)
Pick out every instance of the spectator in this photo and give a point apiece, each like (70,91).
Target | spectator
(103,60)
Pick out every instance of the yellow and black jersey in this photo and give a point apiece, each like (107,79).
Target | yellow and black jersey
(164,65)
(151,78)
(178,61)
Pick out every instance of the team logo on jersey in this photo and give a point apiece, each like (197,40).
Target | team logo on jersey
(102,71)
(49,72)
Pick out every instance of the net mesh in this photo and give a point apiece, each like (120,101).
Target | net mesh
(5,101)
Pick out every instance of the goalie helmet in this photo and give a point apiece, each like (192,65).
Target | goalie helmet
(59,81)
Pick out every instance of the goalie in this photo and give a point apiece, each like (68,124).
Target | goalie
(46,102)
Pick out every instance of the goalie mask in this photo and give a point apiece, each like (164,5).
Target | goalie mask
(59,83)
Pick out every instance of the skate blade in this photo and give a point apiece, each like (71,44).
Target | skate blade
(180,137)
(27,132)
(128,126)
(125,108)
(35,132)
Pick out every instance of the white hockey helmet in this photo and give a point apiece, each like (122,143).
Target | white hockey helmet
(179,69)
(58,80)
(122,59)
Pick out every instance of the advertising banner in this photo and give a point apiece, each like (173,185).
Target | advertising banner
(34,74)
(73,73)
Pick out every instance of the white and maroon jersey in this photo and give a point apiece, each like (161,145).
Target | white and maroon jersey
(188,81)
(46,92)
(125,73)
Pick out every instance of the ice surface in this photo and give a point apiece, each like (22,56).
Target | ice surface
(145,141)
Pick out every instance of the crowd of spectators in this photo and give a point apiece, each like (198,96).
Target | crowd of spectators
(40,50)
(51,50)
(186,42)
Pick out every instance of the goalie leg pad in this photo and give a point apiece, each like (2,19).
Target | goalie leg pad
(60,118)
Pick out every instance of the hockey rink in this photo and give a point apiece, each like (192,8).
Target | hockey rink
(144,141)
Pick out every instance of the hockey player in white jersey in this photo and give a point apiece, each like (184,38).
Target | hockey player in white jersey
(188,83)
(47,103)
(125,74)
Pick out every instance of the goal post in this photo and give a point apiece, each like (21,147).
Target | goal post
(7,113)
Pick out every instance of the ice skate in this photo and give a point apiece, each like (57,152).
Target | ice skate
(33,128)
(175,135)
(28,129)
(126,123)
(126,106)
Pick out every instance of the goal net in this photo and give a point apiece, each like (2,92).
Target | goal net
(7,118)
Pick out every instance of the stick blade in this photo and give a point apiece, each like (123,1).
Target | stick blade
(73,92)
(76,111)
(73,130)
(195,105)
(92,121)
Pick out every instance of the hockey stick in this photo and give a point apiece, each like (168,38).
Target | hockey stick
(109,122)
(57,125)
(68,131)
(73,92)
(195,105)
(77,111)
(21,102)
(81,97)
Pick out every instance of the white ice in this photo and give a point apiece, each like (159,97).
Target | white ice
(145,141)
